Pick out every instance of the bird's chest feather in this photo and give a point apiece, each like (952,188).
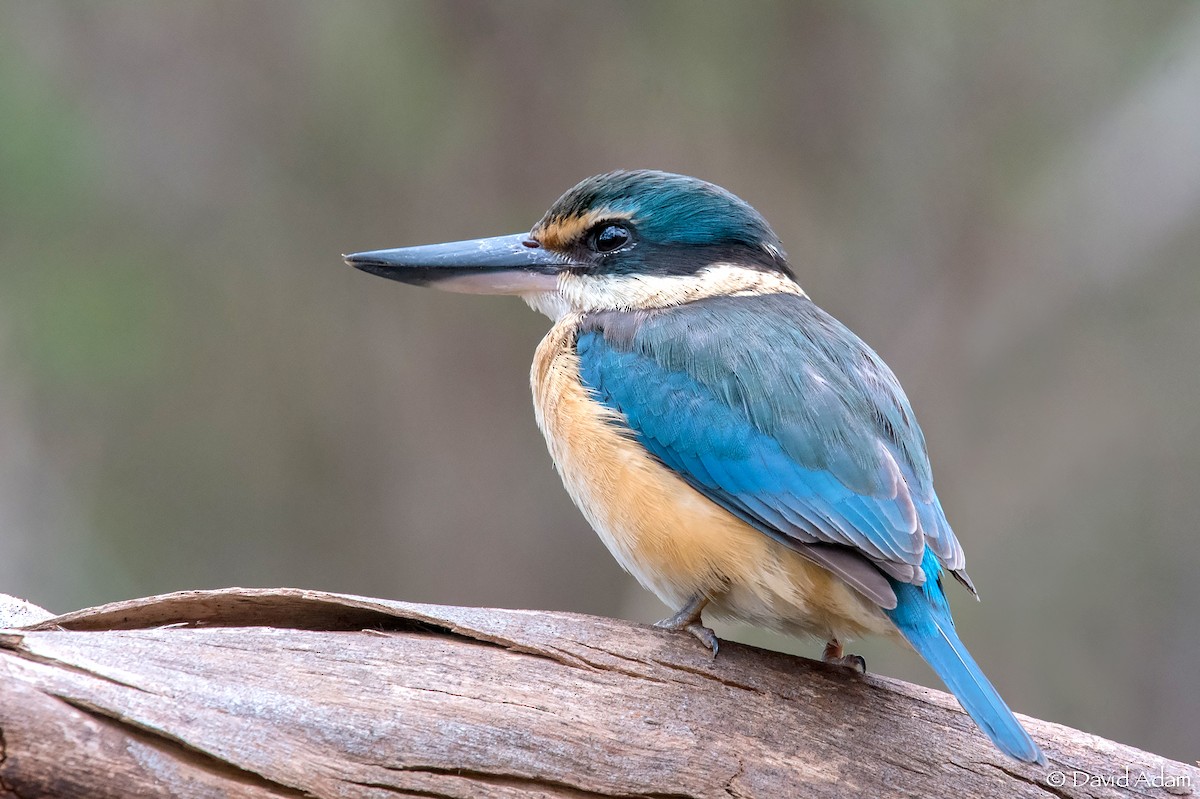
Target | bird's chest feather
(674,540)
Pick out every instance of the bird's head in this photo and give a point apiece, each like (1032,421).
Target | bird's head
(619,241)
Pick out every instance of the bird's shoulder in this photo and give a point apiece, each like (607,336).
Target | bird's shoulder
(772,407)
(790,368)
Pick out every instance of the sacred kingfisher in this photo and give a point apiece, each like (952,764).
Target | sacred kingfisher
(737,449)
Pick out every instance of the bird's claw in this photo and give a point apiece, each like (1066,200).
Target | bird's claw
(688,618)
(704,634)
(833,656)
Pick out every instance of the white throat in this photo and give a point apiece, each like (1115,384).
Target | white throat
(586,293)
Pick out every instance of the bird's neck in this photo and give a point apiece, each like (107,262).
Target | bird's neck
(586,293)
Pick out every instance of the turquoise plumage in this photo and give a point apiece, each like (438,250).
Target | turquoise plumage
(923,617)
(776,412)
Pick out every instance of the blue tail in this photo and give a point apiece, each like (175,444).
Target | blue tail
(923,618)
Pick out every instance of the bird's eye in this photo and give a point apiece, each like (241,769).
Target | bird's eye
(610,237)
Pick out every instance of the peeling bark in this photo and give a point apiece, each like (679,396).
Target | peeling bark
(288,693)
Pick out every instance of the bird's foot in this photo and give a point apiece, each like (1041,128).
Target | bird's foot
(833,655)
(688,618)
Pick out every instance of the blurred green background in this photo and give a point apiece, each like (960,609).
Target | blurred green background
(1003,198)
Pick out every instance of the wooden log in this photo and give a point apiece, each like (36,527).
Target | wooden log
(269,693)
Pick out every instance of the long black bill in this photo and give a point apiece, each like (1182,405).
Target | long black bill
(499,265)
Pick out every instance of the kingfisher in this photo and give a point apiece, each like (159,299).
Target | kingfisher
(737,449)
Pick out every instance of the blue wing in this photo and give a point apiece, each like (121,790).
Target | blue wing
(777,412)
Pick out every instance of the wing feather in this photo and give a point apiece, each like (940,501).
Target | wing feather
(773,410)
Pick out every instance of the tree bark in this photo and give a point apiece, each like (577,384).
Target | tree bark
(269,693)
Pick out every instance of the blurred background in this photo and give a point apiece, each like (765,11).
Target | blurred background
(1002,198)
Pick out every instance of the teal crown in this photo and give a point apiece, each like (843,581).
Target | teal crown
(673,216)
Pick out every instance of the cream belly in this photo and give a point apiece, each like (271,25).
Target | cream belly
(670,537)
